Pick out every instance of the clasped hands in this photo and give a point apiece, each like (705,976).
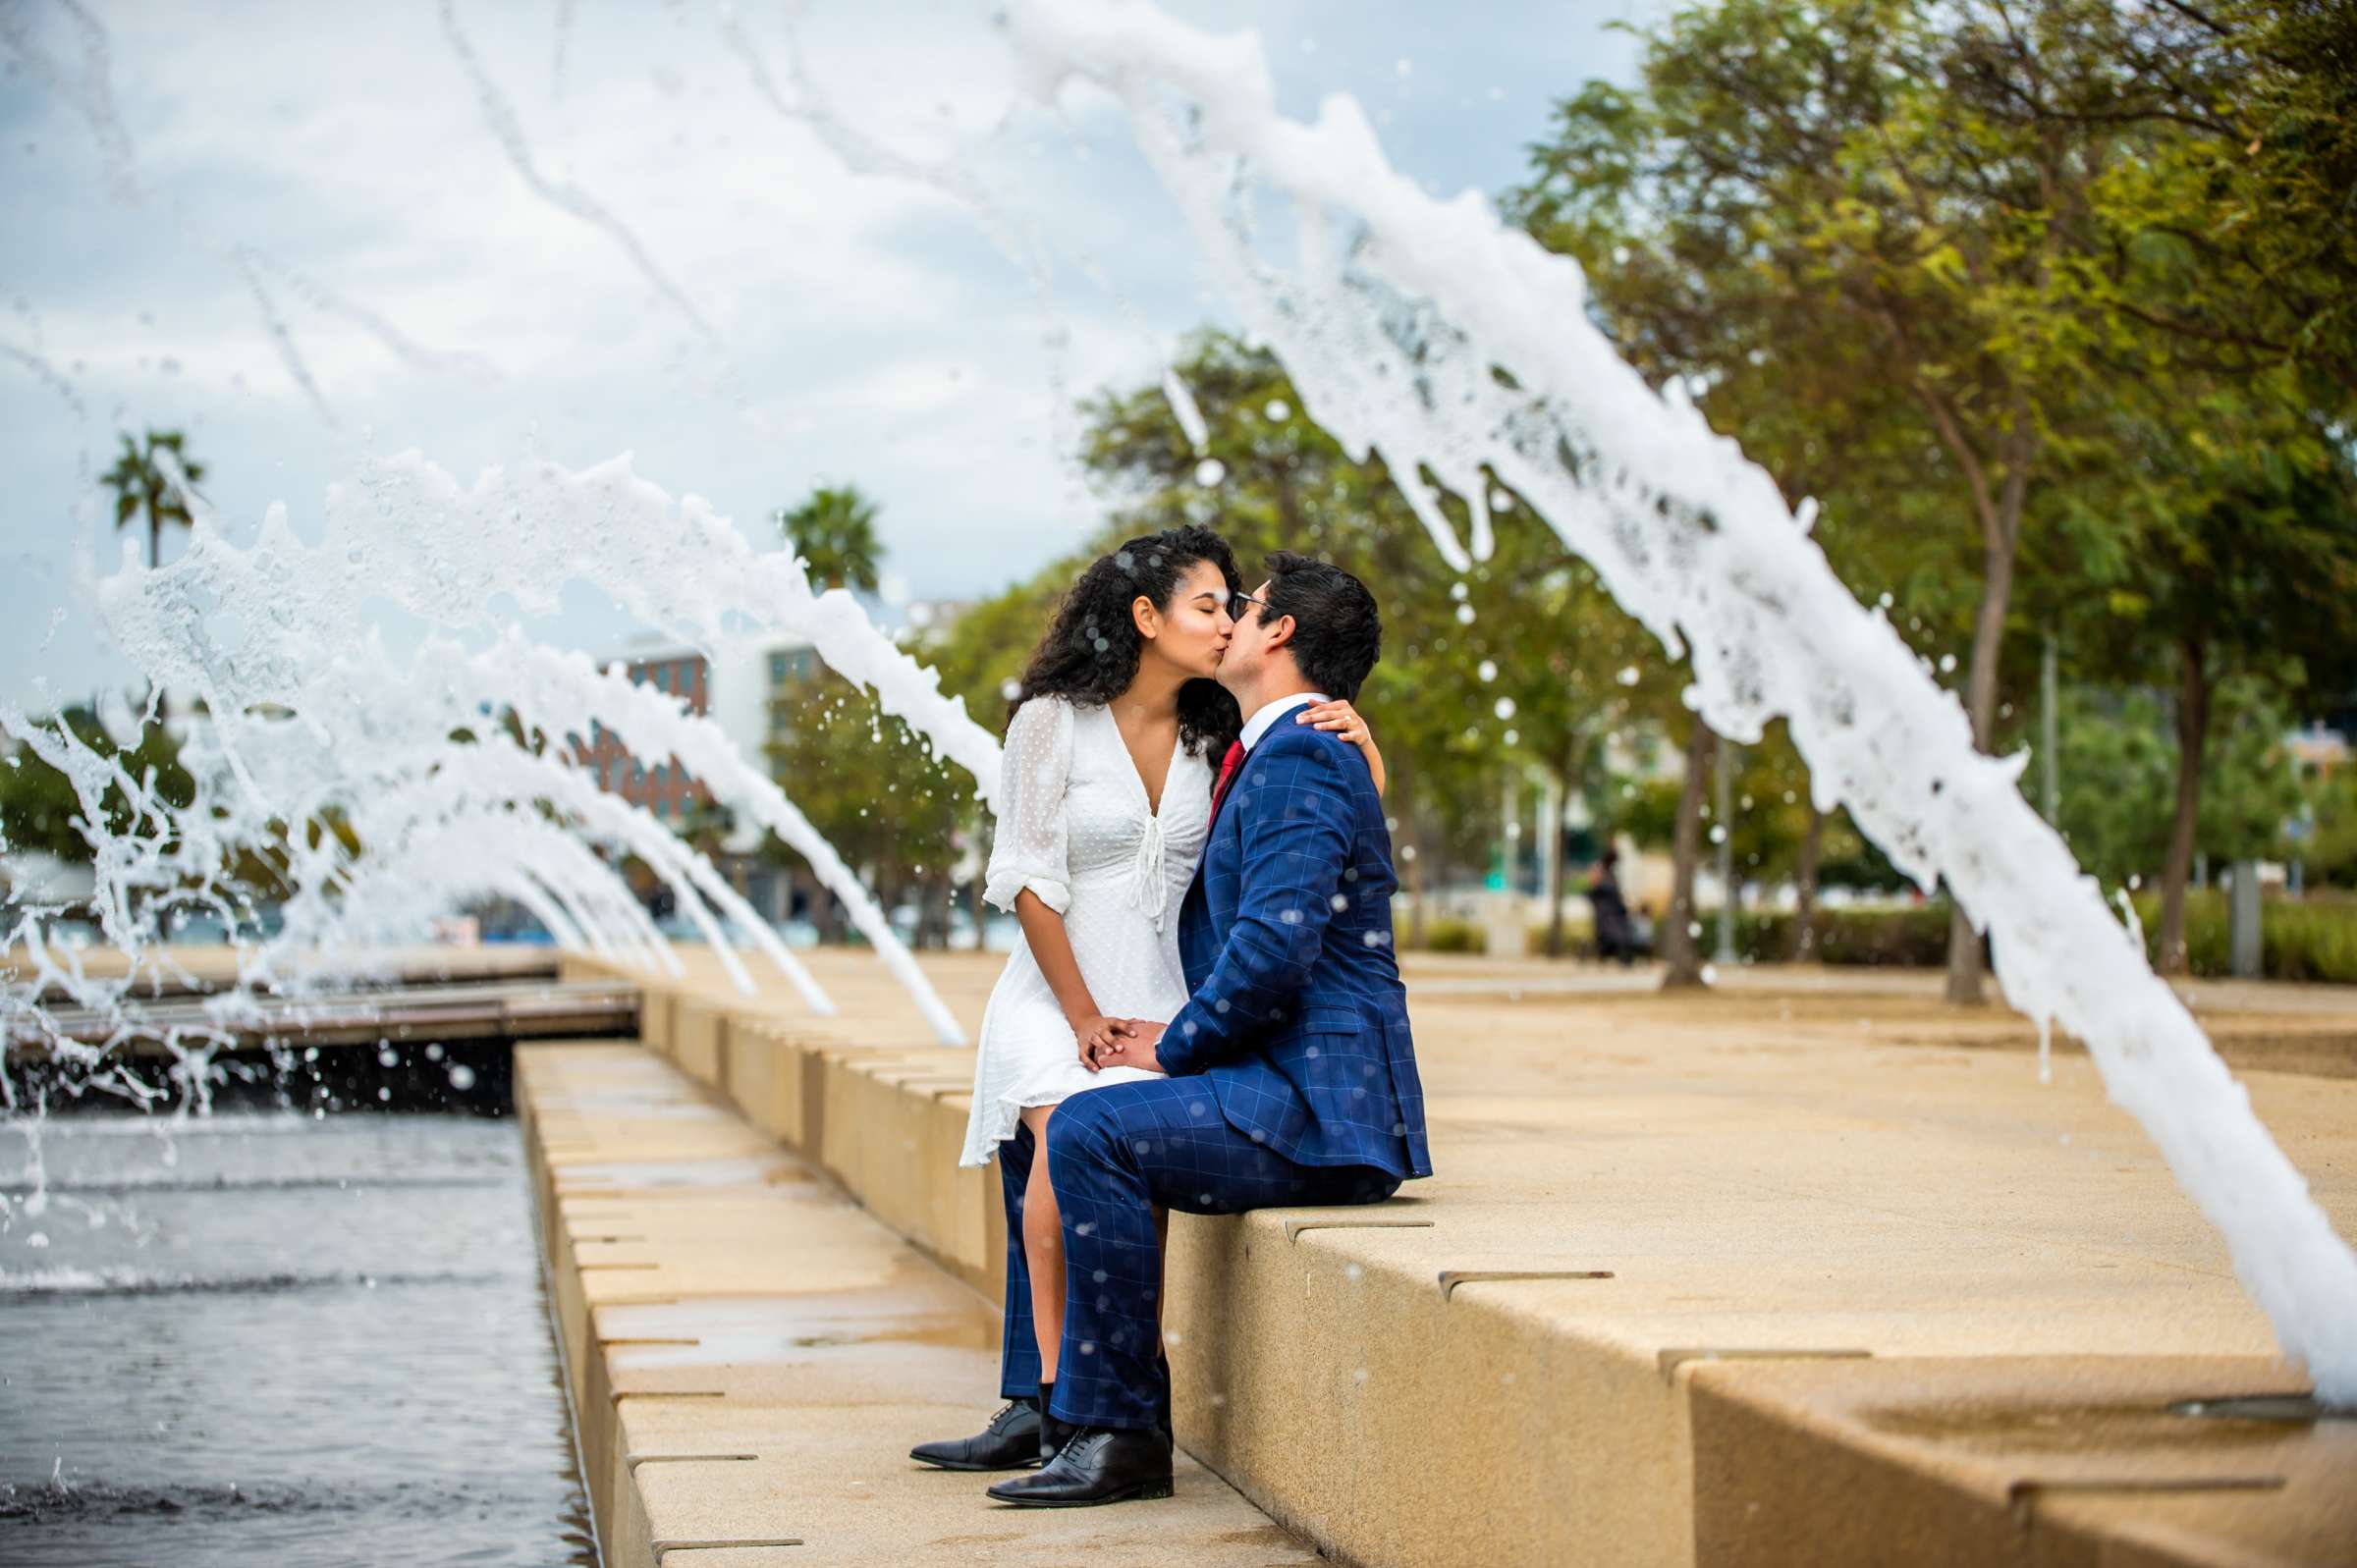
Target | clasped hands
(1117,1043)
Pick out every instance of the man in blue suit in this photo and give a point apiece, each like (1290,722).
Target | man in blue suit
(1292,1078)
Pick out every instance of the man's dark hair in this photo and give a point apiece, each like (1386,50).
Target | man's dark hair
(1337,635)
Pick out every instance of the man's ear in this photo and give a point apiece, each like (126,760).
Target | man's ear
(1284,633)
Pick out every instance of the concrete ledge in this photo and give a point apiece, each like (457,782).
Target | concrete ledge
(2056,1461)
(1663,1323)
(749,1356)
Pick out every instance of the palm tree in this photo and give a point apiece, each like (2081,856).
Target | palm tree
(833,531)
(142,485)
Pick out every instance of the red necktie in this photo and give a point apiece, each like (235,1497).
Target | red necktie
(1227,766)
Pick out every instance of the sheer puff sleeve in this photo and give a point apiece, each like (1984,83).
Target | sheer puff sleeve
(1030,846)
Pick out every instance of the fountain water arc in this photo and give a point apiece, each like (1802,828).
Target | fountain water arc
(1419,331)
(1430,335)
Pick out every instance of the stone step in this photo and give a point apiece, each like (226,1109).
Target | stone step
(749,1355)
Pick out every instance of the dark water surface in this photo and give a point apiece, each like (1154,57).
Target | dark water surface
(268,1339)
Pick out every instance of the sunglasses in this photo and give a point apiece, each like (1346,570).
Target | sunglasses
(1237,603)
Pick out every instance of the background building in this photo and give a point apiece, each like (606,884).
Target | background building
(736,690)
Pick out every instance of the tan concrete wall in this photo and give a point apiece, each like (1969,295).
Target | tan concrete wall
(1559,1419)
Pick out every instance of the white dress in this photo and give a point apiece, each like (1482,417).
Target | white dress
(1077,832)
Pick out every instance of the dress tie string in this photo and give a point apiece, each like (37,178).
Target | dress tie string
(1151,888)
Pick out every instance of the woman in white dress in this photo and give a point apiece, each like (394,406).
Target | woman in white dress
(1111,742)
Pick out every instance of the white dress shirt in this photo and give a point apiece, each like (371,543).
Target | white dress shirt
(1260,722)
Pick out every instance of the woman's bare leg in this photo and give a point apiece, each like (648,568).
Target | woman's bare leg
(1043,1246)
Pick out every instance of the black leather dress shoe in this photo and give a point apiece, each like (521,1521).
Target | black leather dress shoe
(1010,1443)
(1100,1464)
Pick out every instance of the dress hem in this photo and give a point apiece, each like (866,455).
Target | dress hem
(1018,1102)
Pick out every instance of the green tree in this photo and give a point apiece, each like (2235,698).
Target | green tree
(1516,664)
(2120,767)
(1832,218)
(833,531)
(888,804)
(2231,237)
(39,809)
(2329,849)
(145,489)
(2240,571)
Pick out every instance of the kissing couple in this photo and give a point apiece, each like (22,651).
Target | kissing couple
(1204,1012)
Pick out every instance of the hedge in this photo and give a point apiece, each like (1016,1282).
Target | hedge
(2311,939)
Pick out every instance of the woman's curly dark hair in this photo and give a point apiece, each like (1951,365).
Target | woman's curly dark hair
(1091,650)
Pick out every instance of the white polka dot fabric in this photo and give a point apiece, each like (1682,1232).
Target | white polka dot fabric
(1079,832)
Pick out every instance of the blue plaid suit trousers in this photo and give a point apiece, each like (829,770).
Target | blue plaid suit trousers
(1112,1153)
(1019,1342)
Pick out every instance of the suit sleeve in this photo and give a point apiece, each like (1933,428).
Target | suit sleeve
(1296,823)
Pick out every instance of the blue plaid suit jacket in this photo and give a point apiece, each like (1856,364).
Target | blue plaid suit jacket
(1298,1018)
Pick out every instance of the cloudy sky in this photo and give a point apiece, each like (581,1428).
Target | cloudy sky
(564,228)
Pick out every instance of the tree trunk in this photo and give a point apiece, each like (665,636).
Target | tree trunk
(2193,738)
(1803,948)
(1562,795)
(1998,511)
(941,894)
(887,893)
(1678,942)
(1964,963)
(827,911)
(973,894)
